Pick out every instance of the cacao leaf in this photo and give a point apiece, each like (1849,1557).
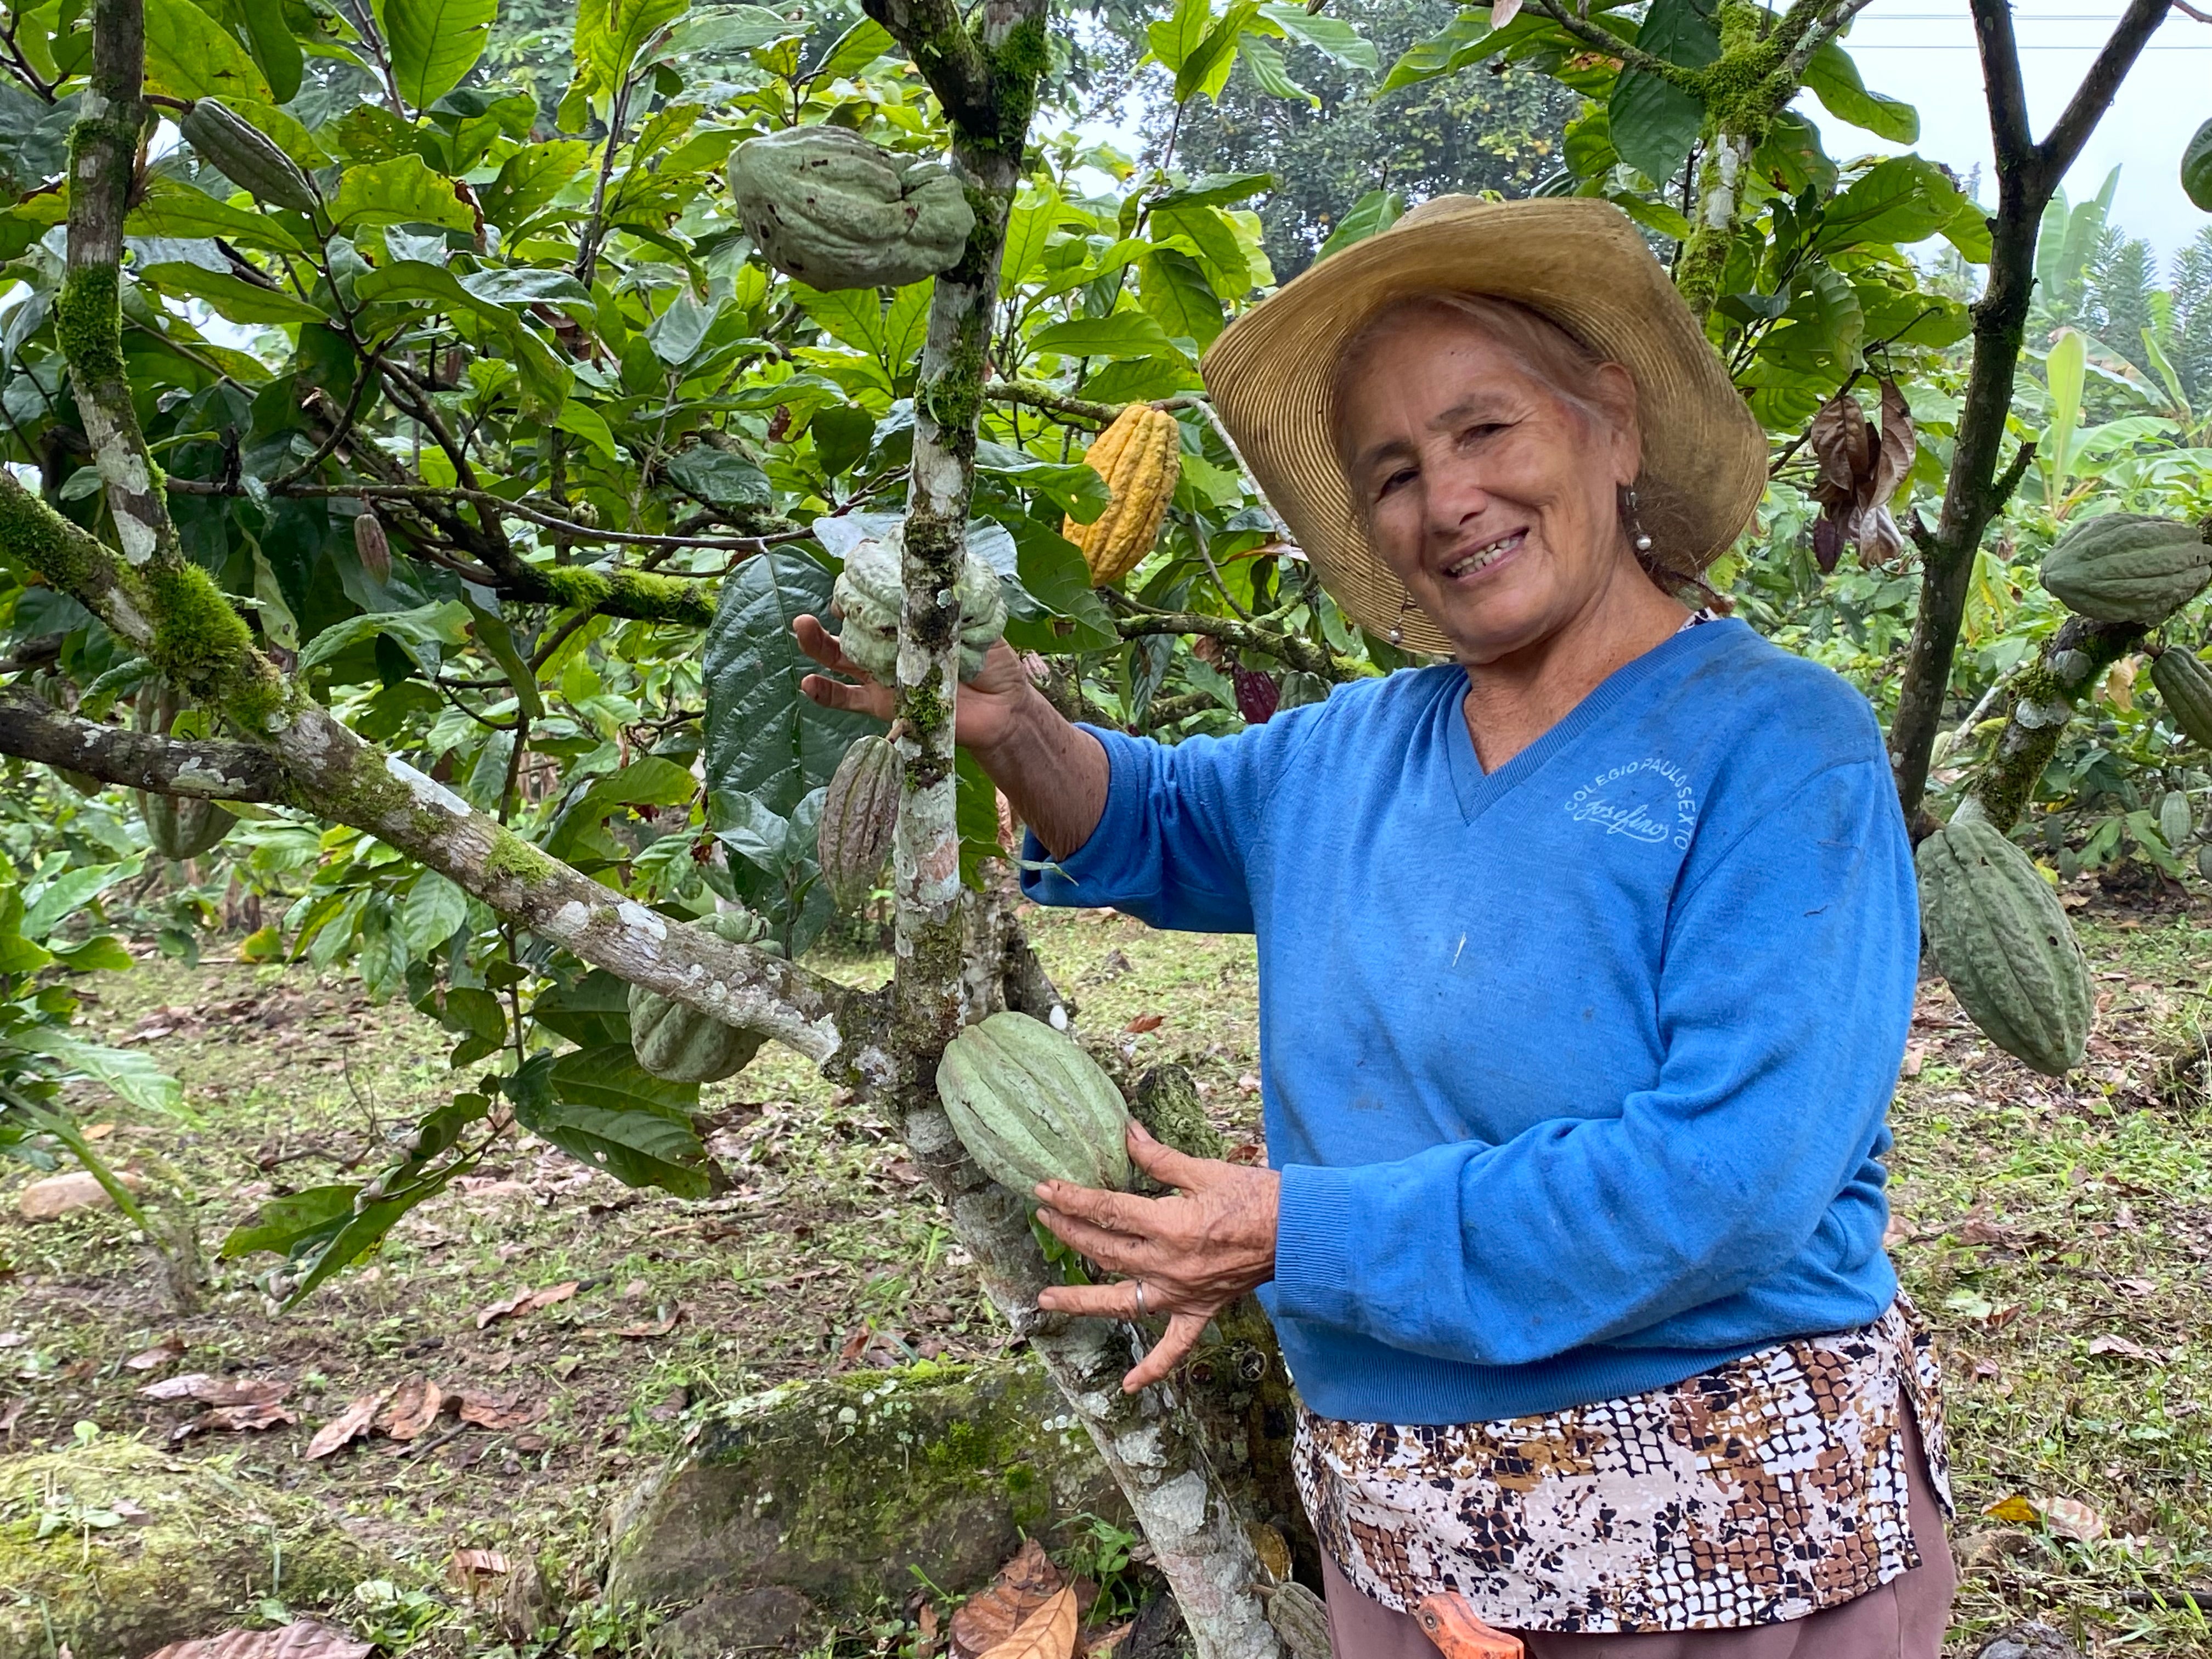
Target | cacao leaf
(2196,168)
(434,44)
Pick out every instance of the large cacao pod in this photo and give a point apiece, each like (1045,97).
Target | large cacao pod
(684,1045)
(1140,456)
(177,827)
(2185,685)
(1029,1105)
(868,594)
(246,155)
(828,207)
(859,810)
(2004,943)
(2126,568)
(2176,823)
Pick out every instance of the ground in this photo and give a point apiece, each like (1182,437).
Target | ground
(2056,1233)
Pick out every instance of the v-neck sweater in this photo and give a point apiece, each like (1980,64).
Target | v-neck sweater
(1575,1072)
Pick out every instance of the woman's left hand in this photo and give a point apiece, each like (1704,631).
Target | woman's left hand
(1188,1256)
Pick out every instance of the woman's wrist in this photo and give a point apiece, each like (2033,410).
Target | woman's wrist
(1054,774)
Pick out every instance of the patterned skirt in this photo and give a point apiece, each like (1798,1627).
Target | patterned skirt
(1757,1492)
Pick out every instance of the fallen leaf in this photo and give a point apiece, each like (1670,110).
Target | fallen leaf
(495,1412)
(416,1405)
(14,1414)
(856,1344)
(303,1638)
(1145,1023)
(2016,1508)
(2139,1286)
(2070,1518)
(230,1420)
(169,1348)
(472,1570)
(348,1426)
(1048,1633)
(1023,1586)
(527,1302)
(2122,1346)
(639,1333)
(1916,1057)
(1103,1644)
(202,1389)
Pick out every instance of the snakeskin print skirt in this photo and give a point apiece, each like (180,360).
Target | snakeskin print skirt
(1759,1492)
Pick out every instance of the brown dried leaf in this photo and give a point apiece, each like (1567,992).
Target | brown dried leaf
(202,1389)
(416,1405)
(496,1412)
(527,1302)
(14,1414)
(1023,1586)
(227,1420)
(2123,1347)
(1838,439)
(348,1426)
(1880,543)
(1048,1633)
(473,1569)
(1145,1023)
(169,1348)
(303,1638)
(2070,1518)
(1893,452)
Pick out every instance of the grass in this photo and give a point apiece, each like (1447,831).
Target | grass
(2056,1233)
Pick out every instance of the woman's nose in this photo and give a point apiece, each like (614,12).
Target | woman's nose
(1455,494)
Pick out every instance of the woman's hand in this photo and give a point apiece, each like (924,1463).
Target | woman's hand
(1188,1256)
(986,712)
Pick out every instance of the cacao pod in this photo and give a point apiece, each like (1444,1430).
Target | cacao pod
(2002,941)
(828,207)
(182,827)
(868,594)
(2176,823)
(1029,1105)
(2204,861)
(859,810)
(1140,457)
(2125,568)
(684,1045)
(246,155)
(1301,1618)
(1257,695)
(177,827)
(2186,684)
(373,546)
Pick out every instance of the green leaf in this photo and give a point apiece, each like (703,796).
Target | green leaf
(976,815)
(69,893)
(853,51)
(1215,190)
(434,43)
(608,1076)
(721,478)
(853,315)
(1270,74)
(1213,237)
(131,1077)
(102,952)
(274,48)
(1902,200)
(1332,37)
(229,295)
(2065,372)
(423,633)
(530,178)
(2196,168)
(1130,333)
(283,1224)
(1834,79)
(1028,227)
(180,213)
(649,781)
(1052,572)
(402,191)
(432,912)
(1653,123)
(190,55)
(582,420)
(592,1012)
(1461,41)
(1071,486)
(545,379)
(610,34)
(763,737)
(1206,69)
(1175,292)
(1176,37)
(1378,210)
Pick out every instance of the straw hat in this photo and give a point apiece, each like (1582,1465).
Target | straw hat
(1576,260)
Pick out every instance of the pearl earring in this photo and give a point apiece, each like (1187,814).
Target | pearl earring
(1397,635)
(1637,536)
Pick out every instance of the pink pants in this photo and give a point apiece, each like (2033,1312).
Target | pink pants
(1903,1620)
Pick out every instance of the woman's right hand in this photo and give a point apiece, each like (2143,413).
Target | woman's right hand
(986,712)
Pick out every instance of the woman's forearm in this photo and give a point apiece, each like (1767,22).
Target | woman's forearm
(1054,774)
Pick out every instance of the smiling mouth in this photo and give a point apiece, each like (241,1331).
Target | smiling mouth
(1483,557)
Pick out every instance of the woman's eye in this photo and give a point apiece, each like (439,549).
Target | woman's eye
(1393,481)
(1475,435)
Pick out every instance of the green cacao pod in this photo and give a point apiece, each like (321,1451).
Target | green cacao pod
(1301,1618)
(1029,1105)
(2004,943)
(684,1045)
(859,810)
(246,155)
(2176,823)
(183,828)
(826,206)
(2185,685)
(2125,568)
(868,594)
(2204,861)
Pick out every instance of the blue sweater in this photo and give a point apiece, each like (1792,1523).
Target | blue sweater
(1575,1072)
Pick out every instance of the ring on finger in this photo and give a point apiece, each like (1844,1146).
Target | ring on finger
(1140,1299)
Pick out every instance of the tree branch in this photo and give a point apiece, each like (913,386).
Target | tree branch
(31,729)
(1630,57)
(2012,139)
(2059,147)
(2042,701)
(1294,649)
(951,59)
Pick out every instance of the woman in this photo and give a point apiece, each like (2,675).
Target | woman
(1586,965)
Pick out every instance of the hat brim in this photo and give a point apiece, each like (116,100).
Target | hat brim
(1576,260)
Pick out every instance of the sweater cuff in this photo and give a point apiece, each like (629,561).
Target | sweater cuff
(1093,873)
(1312,1238)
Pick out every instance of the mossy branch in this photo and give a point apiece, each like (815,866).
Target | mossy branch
(31,729)
(1293,649)
(2041,702)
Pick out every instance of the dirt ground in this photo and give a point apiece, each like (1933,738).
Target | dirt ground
(2056,1234)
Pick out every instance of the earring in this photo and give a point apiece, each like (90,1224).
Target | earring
(1397,635)
(1638,538)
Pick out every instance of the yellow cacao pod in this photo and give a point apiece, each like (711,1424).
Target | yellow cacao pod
(1140,457)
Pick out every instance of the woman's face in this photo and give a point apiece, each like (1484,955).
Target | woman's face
(1490,496)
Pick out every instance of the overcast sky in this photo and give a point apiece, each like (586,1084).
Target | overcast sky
(1923,51)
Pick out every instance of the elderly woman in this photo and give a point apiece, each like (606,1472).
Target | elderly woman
(1586,963)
